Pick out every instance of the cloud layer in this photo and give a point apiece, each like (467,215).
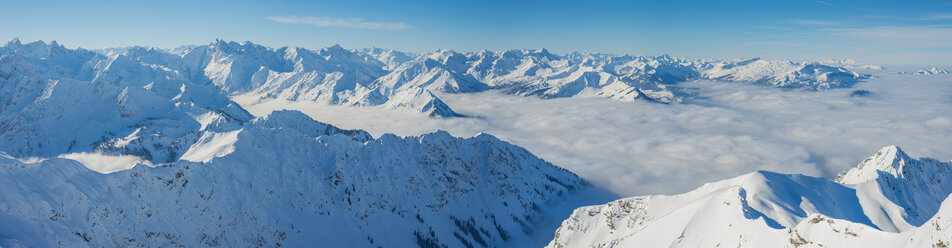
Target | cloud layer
(730,129)
(356,23)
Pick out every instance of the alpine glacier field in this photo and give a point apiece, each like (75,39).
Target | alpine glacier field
(243,145)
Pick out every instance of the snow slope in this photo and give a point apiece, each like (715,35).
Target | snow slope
(289,181)
(889,200)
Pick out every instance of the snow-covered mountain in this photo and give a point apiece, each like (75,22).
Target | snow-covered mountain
(888,200)
(287,180)
(392,79)
(331,75)
(625,78)
(930,71)
(58,101)
(143,148)
(782,73)
(850,64)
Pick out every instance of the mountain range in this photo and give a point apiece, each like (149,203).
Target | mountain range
(144,147)
(930,71)
(397,80)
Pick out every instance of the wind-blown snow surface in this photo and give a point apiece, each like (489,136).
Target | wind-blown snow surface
(889,200)
(641,148)
(290,181)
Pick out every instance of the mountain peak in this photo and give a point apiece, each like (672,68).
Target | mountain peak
(543,53)
(781,209)
(890,160)
(336,49)
(230,44)
(14,42)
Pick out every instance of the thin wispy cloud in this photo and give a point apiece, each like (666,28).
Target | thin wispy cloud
(817,22)
(904,36)
(823,2)
(936,17)
(355,23)
(785,43)
(771,27)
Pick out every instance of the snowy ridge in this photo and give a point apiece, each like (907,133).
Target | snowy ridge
(290,181)
(849,64)
(888,161)
(54,59)
(390,58)
(904,188)
(930,71)
(392,79)
(332,75)
(783,74)
(903,202)
(625,78)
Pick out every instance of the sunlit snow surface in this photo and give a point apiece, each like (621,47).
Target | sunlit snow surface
(104,163)
(727,129)
(888,200)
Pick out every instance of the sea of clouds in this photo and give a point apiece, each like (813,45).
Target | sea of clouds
(726,130)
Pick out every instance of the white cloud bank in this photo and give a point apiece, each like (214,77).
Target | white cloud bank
(648,148)
(356,23)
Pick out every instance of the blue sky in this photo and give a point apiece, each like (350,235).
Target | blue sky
(879,32)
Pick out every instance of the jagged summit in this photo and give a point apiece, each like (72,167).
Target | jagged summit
(41,49)
(14,42)
(335,47)
(930,71)
(916,185)
(890,160)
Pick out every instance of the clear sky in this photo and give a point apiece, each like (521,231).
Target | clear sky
(878,32)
